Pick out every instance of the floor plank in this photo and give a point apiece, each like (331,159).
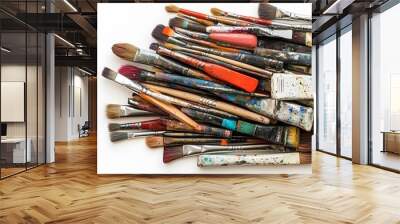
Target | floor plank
(70,191)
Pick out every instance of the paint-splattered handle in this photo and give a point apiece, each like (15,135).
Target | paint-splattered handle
(209,160)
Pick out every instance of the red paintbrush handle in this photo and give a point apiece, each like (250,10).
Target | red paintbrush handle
(192,13)
(154,125)
(239,39)
(256,20)
(181,57)
(237,79)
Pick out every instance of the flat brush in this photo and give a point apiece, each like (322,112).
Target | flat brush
(265,22)
(117,111)
(282,45)
(159,141)
(148,96)
(144,105)
(241,81)
(285,56)
(175,9)
(220,105)
(116,136)
(171,33)
(132,53)
(177,152)
(200,21)
(264,72)
(153,125)
(243,57)
(134,73)
(212,160)
(268,11)
(235,40)
(282,135)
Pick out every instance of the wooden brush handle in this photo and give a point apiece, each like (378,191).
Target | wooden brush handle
(172,110)
(239,39)
(230,108)
(232,22)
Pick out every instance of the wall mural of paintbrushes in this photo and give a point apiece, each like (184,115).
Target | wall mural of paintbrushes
(205,88)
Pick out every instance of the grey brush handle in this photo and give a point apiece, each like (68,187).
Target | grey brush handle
(296,16)
(196,149)
(144,133)
(256,159)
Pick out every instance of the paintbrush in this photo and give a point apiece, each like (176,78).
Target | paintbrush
(133,84)
(175,9)
(245,58)
(282,135)
(171,33)
(117,111)
(268,11)
(124,135)
(148,96)
(233,40)
(287,112)
(153,125)
(132,53)
(160,141)
(220,105)
(241,81)
(299,68)
(135,73)
(144,105)
(173,125)
(199,30)
(291,87)
(177,152)
(197,20)
(234,67)
(264,72)
(281,45)
(291,58)
(293,158)
(237,39)
(265,22)
(183,88)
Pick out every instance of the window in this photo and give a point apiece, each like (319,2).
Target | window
(327,95)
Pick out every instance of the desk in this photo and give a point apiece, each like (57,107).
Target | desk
(13,150)
(391,141)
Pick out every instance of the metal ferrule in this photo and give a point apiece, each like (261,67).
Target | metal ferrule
(192,33)
(195,149)
(145,133)
(132,85)
(300,27)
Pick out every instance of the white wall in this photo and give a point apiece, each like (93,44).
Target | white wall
(71,93)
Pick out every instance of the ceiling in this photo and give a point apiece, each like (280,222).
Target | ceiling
(76,21)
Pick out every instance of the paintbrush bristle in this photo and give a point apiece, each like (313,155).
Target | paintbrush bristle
(168,31)
(154,46)
(186,24)
(217,12)
(114,126)
(125,51)
(113,111)
(267,11)
(172,153)
(293,136)
(130,71)
(118,136)
(154,141)
(172,8)
(109,74)
(157,33)
(305,141)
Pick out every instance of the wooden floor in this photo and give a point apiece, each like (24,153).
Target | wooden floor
(69,191)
